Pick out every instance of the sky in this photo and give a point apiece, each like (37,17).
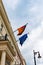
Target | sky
(21,12)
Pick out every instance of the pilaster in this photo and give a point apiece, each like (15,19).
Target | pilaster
(3,58)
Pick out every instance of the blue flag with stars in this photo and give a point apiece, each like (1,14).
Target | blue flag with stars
(23,38)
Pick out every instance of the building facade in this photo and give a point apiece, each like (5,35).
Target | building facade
(9,51)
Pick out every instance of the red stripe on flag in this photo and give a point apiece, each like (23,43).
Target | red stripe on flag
(21,30)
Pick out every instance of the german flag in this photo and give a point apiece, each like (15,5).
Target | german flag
(21,29)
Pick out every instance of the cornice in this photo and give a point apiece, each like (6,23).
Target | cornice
(5,42)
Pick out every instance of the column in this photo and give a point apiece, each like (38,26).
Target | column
(3,58)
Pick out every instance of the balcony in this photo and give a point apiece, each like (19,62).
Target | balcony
(5,44)
(3,38)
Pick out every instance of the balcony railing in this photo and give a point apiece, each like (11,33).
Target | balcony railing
(3,38)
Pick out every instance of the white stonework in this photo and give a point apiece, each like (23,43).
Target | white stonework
(9,51)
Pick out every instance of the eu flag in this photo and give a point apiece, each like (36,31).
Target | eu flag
(22,39)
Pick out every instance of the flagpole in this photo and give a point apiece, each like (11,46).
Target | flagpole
(26,23)
(15,31)
(28,33)
(17,40)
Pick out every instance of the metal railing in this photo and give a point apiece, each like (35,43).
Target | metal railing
(3,38)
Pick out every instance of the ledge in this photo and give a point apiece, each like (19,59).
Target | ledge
(8,44)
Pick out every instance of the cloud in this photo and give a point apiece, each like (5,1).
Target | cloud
(34,42)
(34,11)
(12,4)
